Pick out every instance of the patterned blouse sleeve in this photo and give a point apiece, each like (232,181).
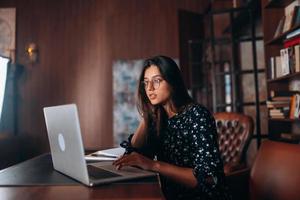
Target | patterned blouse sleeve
(208,166)
(146,150)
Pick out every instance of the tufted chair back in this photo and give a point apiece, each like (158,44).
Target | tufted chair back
(234,133)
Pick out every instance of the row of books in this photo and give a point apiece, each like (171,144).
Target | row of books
(279,109)
(284,105)
(290,137)
(288,62)
(290,19)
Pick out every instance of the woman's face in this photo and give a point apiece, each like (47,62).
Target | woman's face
(157,89)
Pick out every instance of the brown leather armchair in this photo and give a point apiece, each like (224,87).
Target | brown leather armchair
(274,175)
(234,133)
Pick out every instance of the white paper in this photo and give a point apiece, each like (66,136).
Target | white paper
(119,151)
(105,155)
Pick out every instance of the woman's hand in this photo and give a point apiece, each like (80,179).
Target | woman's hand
(135,159)
(178,174)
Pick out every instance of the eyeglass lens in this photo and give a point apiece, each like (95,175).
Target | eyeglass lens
(155,83)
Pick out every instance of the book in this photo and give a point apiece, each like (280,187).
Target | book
(277,115)
(291,42)
(279,28)
(291,59)
(293,34)
(289,12)
(296,17)
(278,104)
(290,136)
(285,93)
(295,107)
(288,22)
(284,57)
(292,107)
(297,58)
(272,68)
(290,8)
(282,98)
(280,111)
(278,67)
(275,70)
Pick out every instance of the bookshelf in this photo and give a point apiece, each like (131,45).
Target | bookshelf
(289,84)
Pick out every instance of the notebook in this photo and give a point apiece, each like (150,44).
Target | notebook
(67,150)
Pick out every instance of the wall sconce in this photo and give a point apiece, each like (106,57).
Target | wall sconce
(32,52)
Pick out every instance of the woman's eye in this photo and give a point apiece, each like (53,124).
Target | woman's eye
(156,80)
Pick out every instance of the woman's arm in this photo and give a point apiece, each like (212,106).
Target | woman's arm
(139,135)
(179,174)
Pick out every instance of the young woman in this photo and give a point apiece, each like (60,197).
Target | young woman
(176,137)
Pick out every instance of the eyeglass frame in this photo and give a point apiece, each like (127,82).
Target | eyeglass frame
(154,84)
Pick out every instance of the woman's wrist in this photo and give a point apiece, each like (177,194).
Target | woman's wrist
(156,166)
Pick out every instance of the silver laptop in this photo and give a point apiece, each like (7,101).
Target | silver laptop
(68,153)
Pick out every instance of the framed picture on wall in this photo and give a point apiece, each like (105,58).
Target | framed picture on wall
(126,116)
(7,32)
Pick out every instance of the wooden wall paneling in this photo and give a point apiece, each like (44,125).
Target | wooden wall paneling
(71,69)
(78,41)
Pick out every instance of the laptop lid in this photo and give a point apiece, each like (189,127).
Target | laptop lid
(65,141)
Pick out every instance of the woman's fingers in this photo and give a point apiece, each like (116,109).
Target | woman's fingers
(129,163)
(120,160)
(127,160)
(134,159)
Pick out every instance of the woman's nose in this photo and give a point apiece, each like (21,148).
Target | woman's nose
(150,86)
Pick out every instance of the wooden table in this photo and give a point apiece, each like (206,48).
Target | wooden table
(36,179)
(116,191)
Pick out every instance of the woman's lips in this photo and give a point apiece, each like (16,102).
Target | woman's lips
(152,96)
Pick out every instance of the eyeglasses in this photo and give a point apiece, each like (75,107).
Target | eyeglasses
(154,82)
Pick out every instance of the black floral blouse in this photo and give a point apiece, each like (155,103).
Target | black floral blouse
(190,140)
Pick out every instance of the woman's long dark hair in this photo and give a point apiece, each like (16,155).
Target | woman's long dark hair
(170,72)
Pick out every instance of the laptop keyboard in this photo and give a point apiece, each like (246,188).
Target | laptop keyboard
(98,173)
